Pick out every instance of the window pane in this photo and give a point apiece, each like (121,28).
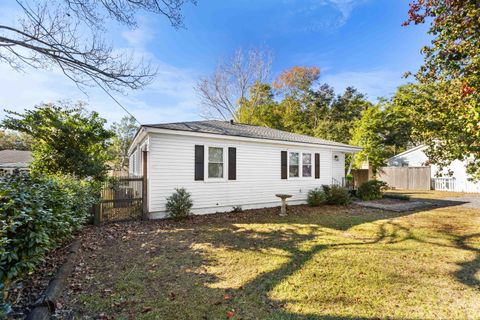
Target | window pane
(294,171)
(307,158)
(215,155)
(215,170)
(306,164)
(307,171)
(294,168)
(294,158)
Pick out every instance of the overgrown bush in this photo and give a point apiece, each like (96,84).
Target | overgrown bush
(316,197)
(179,204)
(336,195)
(371,190)
(36,215)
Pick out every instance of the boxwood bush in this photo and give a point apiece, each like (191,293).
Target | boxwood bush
(36,215)
(316,197)
(371,190)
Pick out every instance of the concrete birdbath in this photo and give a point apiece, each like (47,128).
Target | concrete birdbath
(284,197)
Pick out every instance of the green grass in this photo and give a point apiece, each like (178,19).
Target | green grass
(317,263)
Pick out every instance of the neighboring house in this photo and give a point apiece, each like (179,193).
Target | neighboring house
(441,180)
(225,164)
(11,160)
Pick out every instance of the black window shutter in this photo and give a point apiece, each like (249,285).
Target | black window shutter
(199,162)
(284,164)
(317,165)
(232,163)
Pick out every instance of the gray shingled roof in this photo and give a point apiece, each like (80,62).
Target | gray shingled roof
(244,130)
(15,158)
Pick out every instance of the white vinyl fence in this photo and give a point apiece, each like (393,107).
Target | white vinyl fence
(452,184)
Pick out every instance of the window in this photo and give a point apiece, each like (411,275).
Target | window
(294,161)
(306,164)
(215,163)
(300,165)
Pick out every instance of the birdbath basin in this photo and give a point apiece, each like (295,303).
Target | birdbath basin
(284,197)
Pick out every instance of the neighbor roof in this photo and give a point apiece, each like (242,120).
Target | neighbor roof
(15,158)
(244,130)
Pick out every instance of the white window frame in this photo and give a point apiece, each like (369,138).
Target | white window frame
(225,163)
(300,164)
(312,164)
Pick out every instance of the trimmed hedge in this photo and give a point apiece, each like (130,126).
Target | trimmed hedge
(36,215)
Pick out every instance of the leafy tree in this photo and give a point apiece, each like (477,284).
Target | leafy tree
(15,141)
(68,139)
(454,52)
(449,115)
(340,116)
(121,141)
(68,34)
(260,108)
(445,123)
(383,131)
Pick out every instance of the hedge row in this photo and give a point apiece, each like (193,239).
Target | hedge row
(36,215)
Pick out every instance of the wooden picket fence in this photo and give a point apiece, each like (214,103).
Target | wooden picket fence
(122,198)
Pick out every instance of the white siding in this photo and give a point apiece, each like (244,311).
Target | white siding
(338,167)
(414,158)
(171,165)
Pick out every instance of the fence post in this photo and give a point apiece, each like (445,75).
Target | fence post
(145,186)
(97,219)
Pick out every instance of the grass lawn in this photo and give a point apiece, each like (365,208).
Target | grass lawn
(318,263)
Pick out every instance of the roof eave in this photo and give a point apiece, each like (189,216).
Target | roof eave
(345,148)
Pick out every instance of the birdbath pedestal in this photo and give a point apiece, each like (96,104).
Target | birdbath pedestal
(284,197)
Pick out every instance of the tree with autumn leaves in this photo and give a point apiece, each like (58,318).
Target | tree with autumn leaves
(449,110)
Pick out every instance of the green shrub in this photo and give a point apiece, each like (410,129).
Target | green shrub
(179,204)
(316,197)
(36,215)
(336,195)
(371,190)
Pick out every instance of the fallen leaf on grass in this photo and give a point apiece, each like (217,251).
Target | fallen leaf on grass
(146,309)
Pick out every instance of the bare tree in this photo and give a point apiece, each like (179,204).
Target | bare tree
(67,34)
(222,92)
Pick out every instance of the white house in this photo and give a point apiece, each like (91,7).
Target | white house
(225,164)
(11,160)
(441,180)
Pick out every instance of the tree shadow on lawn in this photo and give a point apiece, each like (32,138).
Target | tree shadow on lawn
(171,263)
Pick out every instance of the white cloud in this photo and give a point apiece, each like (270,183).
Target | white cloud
(375,83)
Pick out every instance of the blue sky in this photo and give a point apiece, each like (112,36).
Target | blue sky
(354,42)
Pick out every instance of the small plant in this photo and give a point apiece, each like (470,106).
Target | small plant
(237,209)
(179,204)
(349,177)
(316,197)
(336,195)
(371,190)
